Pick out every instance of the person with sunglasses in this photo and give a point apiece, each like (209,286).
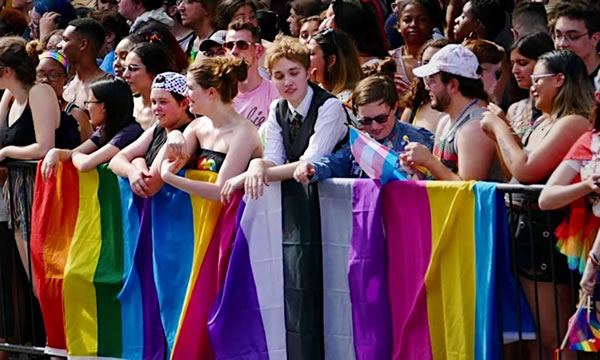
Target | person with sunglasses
(375,100)
(143,63)
(462,151)
(110,105)
(577,28)
(255,94)
(491,59)
(213,46)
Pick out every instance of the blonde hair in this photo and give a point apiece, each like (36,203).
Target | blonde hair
(222,73)
(287,47)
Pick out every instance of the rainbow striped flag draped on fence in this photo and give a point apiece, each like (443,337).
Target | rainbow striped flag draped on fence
(135,278)
(410,271)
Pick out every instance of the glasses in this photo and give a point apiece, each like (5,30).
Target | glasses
(240,44)
(134,68)
(569,36)
(51,76)
(186,2)
(536,77)
(88,102)
(380,119)
(216,51)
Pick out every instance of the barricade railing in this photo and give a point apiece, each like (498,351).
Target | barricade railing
(533,261)
(21,319)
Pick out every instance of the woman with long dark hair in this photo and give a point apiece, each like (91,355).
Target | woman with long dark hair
(110,105)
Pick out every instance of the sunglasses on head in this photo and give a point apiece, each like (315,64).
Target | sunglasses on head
(380,119)
(240,44)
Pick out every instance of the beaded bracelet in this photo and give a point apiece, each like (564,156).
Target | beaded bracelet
(594,259)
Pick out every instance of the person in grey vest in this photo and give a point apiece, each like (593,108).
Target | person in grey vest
(305,124)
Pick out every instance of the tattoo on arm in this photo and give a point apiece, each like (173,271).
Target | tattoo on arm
(505,151)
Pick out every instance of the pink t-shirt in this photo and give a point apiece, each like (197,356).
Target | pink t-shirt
(254,105)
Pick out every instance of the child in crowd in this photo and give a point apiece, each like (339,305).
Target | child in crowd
(140,161)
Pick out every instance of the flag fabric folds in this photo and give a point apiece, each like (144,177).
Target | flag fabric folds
(346,269)
(408,271)
(126,277)
(376,160)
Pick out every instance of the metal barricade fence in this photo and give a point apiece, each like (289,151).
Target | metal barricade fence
(527,249)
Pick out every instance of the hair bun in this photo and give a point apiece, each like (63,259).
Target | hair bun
(33,49)
(386,67)
(235,69)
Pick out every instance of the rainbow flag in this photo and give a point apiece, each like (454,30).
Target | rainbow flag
(376,160)
(408,271)
(54,214)
(126,277)
(585,331)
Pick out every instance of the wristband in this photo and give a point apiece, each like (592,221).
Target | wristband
(594,259)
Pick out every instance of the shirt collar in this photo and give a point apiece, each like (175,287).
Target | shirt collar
(304,106)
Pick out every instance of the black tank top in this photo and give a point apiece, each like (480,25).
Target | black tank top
(159,137)
(21,132)
(67,135)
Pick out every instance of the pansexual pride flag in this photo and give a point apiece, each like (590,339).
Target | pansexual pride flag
(410,271)
(135,278)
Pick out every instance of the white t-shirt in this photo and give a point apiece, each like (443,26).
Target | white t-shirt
(254,105)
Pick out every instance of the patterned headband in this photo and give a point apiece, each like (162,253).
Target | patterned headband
(55,55)
(170,81)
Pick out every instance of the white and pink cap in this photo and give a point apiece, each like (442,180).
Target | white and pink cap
(453,59)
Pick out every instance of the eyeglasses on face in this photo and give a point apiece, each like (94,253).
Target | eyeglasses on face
(380,119)
(88,102)
(186,2)
(536,77)
(569,36)
(215,51)
(240,44)
(51,76)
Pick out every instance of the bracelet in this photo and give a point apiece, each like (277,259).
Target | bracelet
(594,259)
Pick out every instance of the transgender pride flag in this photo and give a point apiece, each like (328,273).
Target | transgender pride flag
(376,160)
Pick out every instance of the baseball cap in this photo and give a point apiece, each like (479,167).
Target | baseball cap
(216,39)
(170,81)
(453,59)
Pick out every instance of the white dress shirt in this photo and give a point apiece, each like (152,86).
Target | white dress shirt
(330,128)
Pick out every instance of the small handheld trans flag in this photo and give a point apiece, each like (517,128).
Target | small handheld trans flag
(376,160)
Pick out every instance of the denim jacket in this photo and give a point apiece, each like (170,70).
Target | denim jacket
(342,163)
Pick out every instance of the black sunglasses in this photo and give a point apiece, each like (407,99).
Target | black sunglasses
(380,119)
(241,44)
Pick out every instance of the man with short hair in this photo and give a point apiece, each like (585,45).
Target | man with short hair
(255,94)
(197,15)
(528,18)
(81,43)
(213,46)
(577,28)
(139,12)
(462,151)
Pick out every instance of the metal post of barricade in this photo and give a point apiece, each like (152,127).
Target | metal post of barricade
(34,317)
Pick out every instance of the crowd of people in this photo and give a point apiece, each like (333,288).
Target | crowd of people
(261,91)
